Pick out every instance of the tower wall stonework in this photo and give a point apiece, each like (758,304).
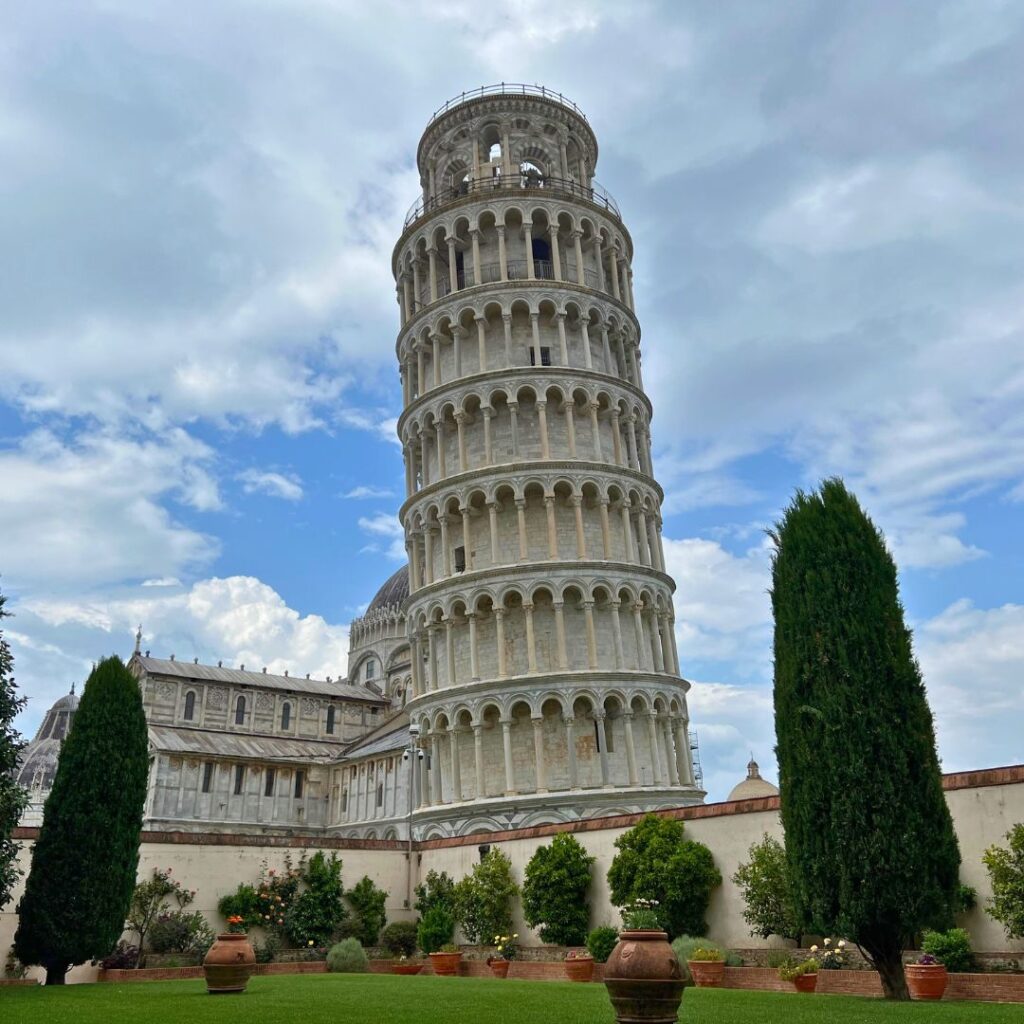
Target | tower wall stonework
(545,678)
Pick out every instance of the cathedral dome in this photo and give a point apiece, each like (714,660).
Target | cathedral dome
(753,785)
(394,591)
(38,764)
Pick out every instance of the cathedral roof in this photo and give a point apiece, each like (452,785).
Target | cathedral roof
(391,735)
(394,591)
(38,763)
(753,785)
(215,743)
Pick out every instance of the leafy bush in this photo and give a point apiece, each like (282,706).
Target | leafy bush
(775,958)
(347,957)
(350,928)
(1006,872)
(399,938)
(555,891)
(316,913)
(436,890)
(601,941)
(275,893)
(436,929)
(952,949)
(268,950)
(151,900)
(483,899)
(794,969)
(125,957)
(14,969)
(367,901)
(656,862)
(686,946)
(179,932)
(244,902)
(764,882)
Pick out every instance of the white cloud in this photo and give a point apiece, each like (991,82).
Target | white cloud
(363,491)
(277,485)
(387,526)
(163,581)
(91,510)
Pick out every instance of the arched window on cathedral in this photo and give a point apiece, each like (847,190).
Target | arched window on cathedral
(240,711)
(190,705)
(330,719)
(286,715)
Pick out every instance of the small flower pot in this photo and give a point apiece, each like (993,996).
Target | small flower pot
(229,963)
(707,973)
(499,968)
(407,967)
(806,982)
(926,981)
(579,970)
(446,964)
(643,978)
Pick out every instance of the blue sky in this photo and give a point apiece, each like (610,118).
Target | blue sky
(197,381)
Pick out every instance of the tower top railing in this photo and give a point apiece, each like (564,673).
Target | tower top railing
(506,89)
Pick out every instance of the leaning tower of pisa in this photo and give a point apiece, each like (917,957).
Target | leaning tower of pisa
(545,677)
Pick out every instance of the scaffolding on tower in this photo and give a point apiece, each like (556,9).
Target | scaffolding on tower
(698,772)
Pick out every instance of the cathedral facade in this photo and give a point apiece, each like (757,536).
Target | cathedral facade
(522,667)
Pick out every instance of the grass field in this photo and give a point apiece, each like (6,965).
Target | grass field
(348,998)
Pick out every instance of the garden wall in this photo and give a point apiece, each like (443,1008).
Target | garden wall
(984,806)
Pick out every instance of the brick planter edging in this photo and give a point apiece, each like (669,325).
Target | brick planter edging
(178,973)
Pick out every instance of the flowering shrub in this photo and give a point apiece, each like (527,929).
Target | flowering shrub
(180,932)
(641,915)
(792,969)
(831,956)
(236,923)
(579,954)
(926,960)
(704,954)
(150,900)
(952,949)
(506,946)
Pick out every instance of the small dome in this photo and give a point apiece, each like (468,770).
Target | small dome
(753,785)
(38,763)
(394,591)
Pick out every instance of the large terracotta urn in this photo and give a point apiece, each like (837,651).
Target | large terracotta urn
(229,963)
(408,967)
(499,966)
(806,982)
(580,968)
(445,964)
(926,981)
(644,980)
(707,973)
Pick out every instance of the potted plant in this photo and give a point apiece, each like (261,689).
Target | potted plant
(642,975)
(803,974)
(579,965)
(446,960)
(400,940)
(505,949)
(403,965)
(926,977)
(230,961)
(707,966)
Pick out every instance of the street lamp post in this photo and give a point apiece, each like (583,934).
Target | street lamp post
(411,755)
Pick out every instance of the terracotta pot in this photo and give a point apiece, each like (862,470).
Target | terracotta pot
(707,973)
(229,963)
(406,967)
(579,970)
(446,964)
(926,981)
(644,979)
(499,968)
(806,982)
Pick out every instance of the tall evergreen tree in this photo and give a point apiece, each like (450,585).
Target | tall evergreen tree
(83,866)
(869,839)
(12,797)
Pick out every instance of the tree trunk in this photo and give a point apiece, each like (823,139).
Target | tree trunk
(55,975)
(890,969)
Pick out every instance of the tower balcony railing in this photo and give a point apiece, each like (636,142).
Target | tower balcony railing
(505,89)
(523,182)
(517,270)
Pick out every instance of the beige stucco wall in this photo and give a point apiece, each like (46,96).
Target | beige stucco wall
(981,816)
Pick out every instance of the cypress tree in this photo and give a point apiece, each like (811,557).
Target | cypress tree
(84,863)
(12,797)
(869,839)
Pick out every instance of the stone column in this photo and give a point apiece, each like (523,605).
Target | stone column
(569,409)
(627,718)
(599,262)
(528,243)
(521,518)
(474,664)
(460,423)
(606,532)
(542,419)
(638,625)
(538,753)
(634,454)
(499,624)
(488,450)
(432,271)
(535,335)
(588,358)
(563,655)
(446,548)
(531,646)
(478,760)
(580,276)
(620,658)
(606,351)
(570,746)
(449,649)
(645,548)
(506,322)
(563,344)
(513,415)
(442,466)
(466,538)
(436,789)
(670,754)
(428,556)
(613,273)
(659,664)
(481,343)
(666,643)
(453,273)
(424,790)
(581,541)
(616,438)
(506,740)
(602,746)
(417,664)
(453,743)
(492,523)
(474,234)
(595,431)
(556,259)
(684,766)
(588,612)
(502,256)
(652,733)
(549,505)
(627,531)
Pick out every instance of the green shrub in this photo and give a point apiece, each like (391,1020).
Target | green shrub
(713,955)
(180,932)
(764,882)
(267,951)
(1005,866)
(555,891)
(244,902)
(952,949)
(733,959)
(436,890)
(350,928)
(601,941)
(347,957)
(316,913)
(483,899)
(793,969)
(436,929)
(775,958)
(399,938)
(686,946)
(367,902)
(656,862)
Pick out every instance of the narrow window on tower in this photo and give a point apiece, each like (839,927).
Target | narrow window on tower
(300,778)
(190,705)
(239,778)
(268,786)
(240,711)
(545,356)
(460,559)
(330,720)
(207,776)
(286,715)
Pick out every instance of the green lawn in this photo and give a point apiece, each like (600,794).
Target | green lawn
(349,998)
